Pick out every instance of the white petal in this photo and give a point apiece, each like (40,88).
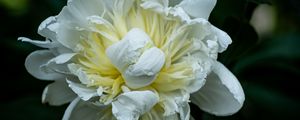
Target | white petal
(138,69)
(179,12)
(76,11)
(63,58)
(175,102)
(184,111)
(36,60)
(44,44)
(82,91)
(131,105)
(76,70)
(73,21)
(48,28)
(201,65)
(122,7)
(70,37)
(223,38)
(59,63)
(222,94)
(144,71)
(58,93)
(198,8)
(127,51)
(156,113)
(81,110)
(160,6)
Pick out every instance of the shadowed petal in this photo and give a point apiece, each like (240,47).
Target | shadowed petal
(222,93)
(80,110)
(58,93)
(36,60)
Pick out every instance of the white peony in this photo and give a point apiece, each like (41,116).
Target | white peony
(134,59)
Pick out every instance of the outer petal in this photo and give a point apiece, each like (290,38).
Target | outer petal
(80,110)
(70,37)
(36,60)
(58,93)
(131,105)
(222,94)
(76,11)
(73,21)
(43,44)
(58,64)
(198,8)
(201,65)
(223,38)
(48,28)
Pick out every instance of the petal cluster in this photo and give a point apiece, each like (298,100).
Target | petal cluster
(134,59)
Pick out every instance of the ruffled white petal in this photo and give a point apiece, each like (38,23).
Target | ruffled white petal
(131,105)
(74,23)
(223,38)
(201,65)
(222,93)
(198,8)
(184,111)
(81,110)
(128,50)
(82,91)
(139,68)
(48,28)
(58,93)
(144,71)
(176,102)
(36,60)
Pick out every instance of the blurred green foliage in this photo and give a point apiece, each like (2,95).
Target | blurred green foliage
(15,6)
(267,67)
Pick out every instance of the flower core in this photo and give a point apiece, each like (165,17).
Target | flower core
(110,58)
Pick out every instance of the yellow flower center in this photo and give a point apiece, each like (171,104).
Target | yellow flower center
(169,35)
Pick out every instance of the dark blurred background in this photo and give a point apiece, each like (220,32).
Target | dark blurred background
(265,57)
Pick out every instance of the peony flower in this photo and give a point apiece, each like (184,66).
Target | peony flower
(134,59)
